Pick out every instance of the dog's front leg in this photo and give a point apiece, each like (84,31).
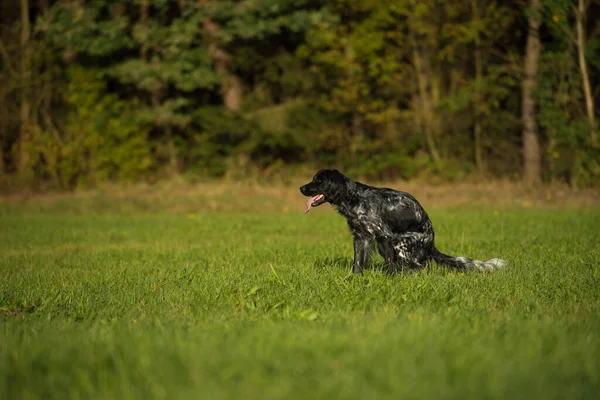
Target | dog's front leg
(362,252)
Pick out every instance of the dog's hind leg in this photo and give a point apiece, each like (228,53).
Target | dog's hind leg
(408,262)
(409,253)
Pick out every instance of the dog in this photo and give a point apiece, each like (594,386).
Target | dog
(393,220)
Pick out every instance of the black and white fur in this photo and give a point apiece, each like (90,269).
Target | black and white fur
(394,220)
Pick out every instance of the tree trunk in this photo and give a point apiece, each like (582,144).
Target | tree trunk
(173,168)
(585,78)
(157,95)
(231,91)
(477,96)
(421,55)
(231,86)
(425,102)
(25,131)
(531,146)
(144,21)
(356,136)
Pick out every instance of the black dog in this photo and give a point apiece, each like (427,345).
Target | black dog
(394,220)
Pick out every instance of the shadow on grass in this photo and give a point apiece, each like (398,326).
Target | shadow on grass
(346,264)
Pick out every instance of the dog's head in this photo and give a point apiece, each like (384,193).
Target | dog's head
(327,186)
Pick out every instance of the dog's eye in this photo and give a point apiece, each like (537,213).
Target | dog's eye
(318,181)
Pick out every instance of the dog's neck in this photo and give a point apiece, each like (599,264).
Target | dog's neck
(347,202)
(346,210)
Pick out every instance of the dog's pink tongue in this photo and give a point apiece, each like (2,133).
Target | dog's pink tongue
(309,203)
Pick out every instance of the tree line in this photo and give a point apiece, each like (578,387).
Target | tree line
(142,89)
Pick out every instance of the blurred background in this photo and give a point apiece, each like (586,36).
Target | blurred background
(146,90)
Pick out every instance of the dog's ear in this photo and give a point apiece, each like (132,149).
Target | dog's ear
(319,172)
(337,175)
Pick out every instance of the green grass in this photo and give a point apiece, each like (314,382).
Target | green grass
(261,305)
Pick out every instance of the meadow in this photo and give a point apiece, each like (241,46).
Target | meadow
(258,303)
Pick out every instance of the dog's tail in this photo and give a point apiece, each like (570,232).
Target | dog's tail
(466,264)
